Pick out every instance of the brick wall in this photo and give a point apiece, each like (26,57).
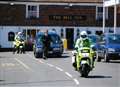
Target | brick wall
(16,15)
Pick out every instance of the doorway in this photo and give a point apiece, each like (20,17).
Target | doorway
(70,37)
(30,37)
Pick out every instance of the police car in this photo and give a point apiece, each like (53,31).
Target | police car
(56,45)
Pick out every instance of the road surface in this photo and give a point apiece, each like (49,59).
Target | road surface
(24,70)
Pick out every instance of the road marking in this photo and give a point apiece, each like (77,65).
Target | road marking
(76,81)
(41,61)
(50,65)
(68,74)
(23,64)
(7,64)
(59,68)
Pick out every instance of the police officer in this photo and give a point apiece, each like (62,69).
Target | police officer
(17,40)
(46,44)
(82,41)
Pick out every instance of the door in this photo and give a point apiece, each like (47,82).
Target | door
(70,37)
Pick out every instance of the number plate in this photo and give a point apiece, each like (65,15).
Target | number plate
(85,54)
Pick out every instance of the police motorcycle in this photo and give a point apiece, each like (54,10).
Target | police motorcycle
(19,46)
(83,61)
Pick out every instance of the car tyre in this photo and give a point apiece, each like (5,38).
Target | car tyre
(36,55)
(106,58)
(59,55)
(98,58)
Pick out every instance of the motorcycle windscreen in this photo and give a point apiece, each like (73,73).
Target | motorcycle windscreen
(85,51)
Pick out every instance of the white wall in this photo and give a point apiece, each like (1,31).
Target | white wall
(4,36)
(0,35)
(5,29)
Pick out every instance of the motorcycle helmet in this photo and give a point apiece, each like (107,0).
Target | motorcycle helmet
(83,35)
(19,33)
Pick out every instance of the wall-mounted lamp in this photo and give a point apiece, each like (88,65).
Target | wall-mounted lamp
(70,4)
(11,3)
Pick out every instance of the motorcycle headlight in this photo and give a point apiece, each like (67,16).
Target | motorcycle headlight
(22,42)
(111,50)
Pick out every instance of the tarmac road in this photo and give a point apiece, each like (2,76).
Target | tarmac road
(24,70)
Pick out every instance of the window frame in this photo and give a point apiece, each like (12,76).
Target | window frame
(11,38)
(27,11)
(101,13)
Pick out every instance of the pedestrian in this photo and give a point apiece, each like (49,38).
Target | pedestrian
(46,44)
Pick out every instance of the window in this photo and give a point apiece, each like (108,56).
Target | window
(99,13)
(32,11)
(11,36)
(78,33)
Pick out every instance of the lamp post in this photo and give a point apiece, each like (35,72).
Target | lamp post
(115,17)
(108,3)
(103,17)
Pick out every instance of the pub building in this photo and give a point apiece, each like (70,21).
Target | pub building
(66,17)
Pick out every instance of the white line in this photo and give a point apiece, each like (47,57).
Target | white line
(28,68)
(50,65)
(41,61)
(68,74)
(59,69)
(76,81)
(35,58)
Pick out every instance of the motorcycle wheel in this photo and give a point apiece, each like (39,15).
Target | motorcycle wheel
(84,71)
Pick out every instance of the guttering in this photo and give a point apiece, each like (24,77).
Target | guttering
(52,3)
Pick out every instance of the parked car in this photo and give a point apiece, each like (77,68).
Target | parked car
(56,45)
(95,39)
(110,47)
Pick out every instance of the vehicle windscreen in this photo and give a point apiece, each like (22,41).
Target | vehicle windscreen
(93,39)
(114,39)
(55,38)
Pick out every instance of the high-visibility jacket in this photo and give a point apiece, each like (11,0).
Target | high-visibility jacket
(82,43)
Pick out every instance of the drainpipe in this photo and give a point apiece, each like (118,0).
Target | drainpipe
(26,34)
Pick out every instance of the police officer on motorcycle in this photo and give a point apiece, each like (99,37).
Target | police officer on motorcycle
(18,38)
(82,41)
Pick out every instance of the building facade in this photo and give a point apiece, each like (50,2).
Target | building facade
(66,17)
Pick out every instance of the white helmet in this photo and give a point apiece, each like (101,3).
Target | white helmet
(84,35)
(19,33)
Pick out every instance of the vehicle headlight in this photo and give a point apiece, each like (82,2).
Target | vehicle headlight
(111,50)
